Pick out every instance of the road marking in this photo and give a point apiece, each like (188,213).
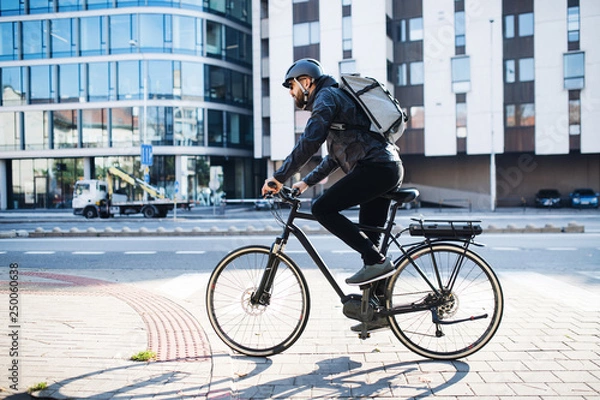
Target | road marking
(139,252)
(343,251)
(295,251)
(88,253)
(2,252)
(506,248)
(190,252)
(40,252)
(561,248)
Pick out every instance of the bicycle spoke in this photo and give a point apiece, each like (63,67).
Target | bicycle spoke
(469,309)
(252,328)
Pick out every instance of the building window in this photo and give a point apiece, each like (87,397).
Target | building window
(509,26)
(573,24)
(417,117)
(214,39)
(459,29)
(461,74)
(415,29)
(160,79)
(521,23)
(92,37)
(192,82)
(574,70)
(347,67)
(128,79)
(8,41)
(68,83)
(526,24)
(347,36)
(416,73)
(402,75)
(510,115)
(526,70)
(519,114)
(402,31)
(65,129)
(34,39)
(11,82)
(527,114)
(574,112)
(124,129)
(509,71)
(98,81)
(215,128)
(152,31)
(40,84)
(306,34)
(461,117)
(121,34)
(62,37)
(13,7)
(94,128)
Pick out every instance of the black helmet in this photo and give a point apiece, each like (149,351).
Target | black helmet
(304,67)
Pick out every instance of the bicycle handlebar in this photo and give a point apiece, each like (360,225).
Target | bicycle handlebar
(286,193)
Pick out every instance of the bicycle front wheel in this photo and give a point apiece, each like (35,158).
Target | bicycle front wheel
(459,298)
(247,327)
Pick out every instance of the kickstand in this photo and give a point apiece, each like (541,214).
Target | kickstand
(366,313)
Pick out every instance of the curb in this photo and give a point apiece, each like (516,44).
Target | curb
(572,227)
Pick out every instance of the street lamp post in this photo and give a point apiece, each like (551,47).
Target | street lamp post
(492,149)
(134,43)
(143,150)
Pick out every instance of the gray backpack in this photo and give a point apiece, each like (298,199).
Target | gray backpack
(387,118)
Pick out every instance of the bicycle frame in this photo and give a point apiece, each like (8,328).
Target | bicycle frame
(261,294)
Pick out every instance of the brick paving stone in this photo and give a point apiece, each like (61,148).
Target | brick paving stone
(573,389)
(546,348)
(498,389)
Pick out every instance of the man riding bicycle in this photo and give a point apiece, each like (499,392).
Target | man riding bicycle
(372,165)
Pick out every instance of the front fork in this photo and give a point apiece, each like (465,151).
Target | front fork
(262,295)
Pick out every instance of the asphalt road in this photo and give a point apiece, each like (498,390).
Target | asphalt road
(241,217)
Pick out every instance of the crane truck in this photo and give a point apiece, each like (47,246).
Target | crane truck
(94,198)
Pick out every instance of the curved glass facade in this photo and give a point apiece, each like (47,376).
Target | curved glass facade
(109,75)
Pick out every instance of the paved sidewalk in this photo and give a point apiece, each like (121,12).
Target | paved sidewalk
(77,330)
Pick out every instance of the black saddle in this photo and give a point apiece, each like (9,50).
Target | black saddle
(402,195)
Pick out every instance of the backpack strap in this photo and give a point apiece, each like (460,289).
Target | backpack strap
(341,126)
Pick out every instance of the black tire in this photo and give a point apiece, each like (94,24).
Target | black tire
(90,213)
(257,330)
(476,293)
(150,211)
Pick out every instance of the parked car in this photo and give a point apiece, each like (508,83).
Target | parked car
(548,198)
(585,197)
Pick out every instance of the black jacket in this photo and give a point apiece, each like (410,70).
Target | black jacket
(346,148)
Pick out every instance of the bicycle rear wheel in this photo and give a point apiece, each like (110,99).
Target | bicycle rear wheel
(254,329)
(468,308)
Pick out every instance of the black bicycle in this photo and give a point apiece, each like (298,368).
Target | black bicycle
(444,301)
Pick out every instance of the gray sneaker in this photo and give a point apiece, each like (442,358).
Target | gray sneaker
(372,273)
(379,323)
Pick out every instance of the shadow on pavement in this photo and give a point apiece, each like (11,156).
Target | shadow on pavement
(343,377)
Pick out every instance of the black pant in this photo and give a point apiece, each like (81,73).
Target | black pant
(364,186)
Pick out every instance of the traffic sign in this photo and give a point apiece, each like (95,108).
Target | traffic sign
(146,154)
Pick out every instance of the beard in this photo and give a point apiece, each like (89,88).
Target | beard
(299,101)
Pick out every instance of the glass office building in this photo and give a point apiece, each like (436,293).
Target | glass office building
(86,82)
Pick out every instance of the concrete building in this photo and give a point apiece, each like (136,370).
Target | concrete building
(502,94)
(85,83)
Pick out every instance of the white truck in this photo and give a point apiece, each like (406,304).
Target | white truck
(94,198)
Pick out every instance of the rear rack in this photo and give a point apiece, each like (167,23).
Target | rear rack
(462,229)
